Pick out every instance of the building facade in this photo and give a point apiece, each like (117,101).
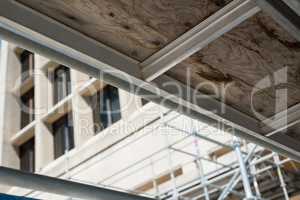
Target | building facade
(62,123)
(51,109)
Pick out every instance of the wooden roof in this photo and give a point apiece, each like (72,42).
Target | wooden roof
(137,28)
(241,58)
(237,61)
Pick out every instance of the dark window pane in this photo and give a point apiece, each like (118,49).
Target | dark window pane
(63,135)
(27,157)
(107,108)
(62,85)
(144,101)
(27,108)
(112,104)
(27,64)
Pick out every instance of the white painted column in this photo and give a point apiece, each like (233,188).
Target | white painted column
(44,147)
(129,103)
(10,109)
(82,112)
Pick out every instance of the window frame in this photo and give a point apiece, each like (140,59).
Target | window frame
(27,150)
(61,88)
(27,65)
(27,108)
(101,118)
(65,140)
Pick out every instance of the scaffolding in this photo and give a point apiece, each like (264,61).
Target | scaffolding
(246,173)
(238,178)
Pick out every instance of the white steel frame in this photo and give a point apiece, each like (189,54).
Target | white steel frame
(236,171)
(36,32)
(45,36)
(197,38)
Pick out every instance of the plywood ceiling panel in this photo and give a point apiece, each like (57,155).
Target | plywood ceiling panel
(240,59)
(137,28)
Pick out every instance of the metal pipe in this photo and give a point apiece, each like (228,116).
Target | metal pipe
(260,171)
(173,178)
(235,178)
(201,137)
(47,184)
(200,169)
(255,182)
(218,188)
(243,170)
(282,182)
(235,192)
(170,160)
(155,185)
(202,158)
(233,181)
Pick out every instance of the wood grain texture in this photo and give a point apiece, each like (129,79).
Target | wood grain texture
(237,61)
(241,58)
(137,28)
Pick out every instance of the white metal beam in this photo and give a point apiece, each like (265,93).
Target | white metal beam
(57,186)
(285,140)
(282,120)
(245,126)
(197,38)
(278,126)
(195,100)
(40,34)
(293,4)
(283,14)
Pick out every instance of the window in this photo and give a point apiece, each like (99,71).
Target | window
(26,154)
(106,108)
(62,86)
(27,108)
(27,64)
(63,135)
(144,101)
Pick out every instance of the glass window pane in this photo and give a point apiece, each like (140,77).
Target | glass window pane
(27,64)
(27,108)
(27,156)
(106,108)
(62,85)
(115,104)
(63,136)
